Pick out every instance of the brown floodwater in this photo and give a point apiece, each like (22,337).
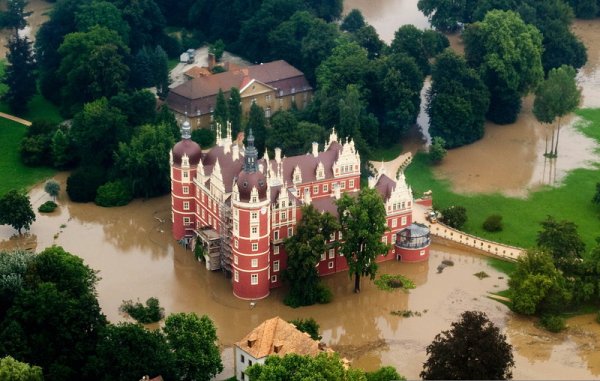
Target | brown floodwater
(40,9)
(133,251)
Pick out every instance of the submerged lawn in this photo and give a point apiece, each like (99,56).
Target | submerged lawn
(571,201)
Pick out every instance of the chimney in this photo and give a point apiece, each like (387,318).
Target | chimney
(251,342)
(212,61)
(277,154)
(277,347)
(315,149)
(322,346)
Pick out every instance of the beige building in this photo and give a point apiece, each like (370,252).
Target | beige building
(273,86)
(274,337)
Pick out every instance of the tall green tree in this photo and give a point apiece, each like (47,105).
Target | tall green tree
(537,286)
(309,326)
(13,370)
(293,137)
(562,241)
(323,367)
(20,76)
(257,123)
(193,342)
(556,97)
(507,53)
(457,101)
(93,66)
(14,17)
(418,44)
(304,250)
(221,113)
(63,154)
(101,13)
(474,349)
(363,222)
(353,21)
(234,109)
(444,15)
(160,71)
(13,271)
(16,211)
(145,160)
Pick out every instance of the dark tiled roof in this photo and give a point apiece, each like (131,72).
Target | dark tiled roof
(187,147)
(385,186)
(326,204)
(229,168)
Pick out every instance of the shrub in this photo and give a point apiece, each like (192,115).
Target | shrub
(36,146)
(553,323)
(324,294)
(437,150)
(113,193)
(151,313)
(309,326)
(47,207)
(83,183)
(454,216)
(493,223)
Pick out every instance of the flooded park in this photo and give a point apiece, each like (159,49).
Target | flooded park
(137,258)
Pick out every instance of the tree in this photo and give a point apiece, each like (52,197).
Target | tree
(353,21)
(320,40)
(328,10)
(556,97)
(596,198)
(309,326)
(13,370)
(257,123)
(221,112)
(36,146)
(234,110)
(363,222)
(444,15)
(52,187)
(457,101)
(146,22)
(16,210)
(437,150)
(507,53)
(537,286)
(62,152)
(93,65)
(217,48)
(368,38)
(160,71)
(386,373)
(96,132)
(84,182)
(562,241)
(293,137)
(454,216)
(294,367)
(138,106)
(144,161)
(125,351)
(474,349)
(15,15)
(13,270)
(192,340)
(418,44)
(101,13)
(304,250)
(19,76)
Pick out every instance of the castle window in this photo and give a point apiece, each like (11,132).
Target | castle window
(185,174)
(343,185)
(268,98)
(403,220)
(255,247)
(275,265)
(203,214)
(276,249)
(283,216)
(254,279)
(276,235)
(236,277)
(254,199)
(351,184)
(330,265)
(273,278)
(235,259)
(394,222)
(331,253)
(186,205)
(254,262)
(186,221)
(384,239)
(254,216)
(186,190)
(325,188)
(323,256)
(290,231)
(254,230)
(316,189)
(332,237)
(268,112)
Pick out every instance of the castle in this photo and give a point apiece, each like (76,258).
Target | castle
(240,208)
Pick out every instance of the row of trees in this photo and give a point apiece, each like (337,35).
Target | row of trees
(362,222)
(50,318)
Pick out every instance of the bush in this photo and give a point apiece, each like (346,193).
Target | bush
(47,207)
(437,150)
(36,146)
(324,294)
(493,223)
(83,183)
(454,216)
(204,137)
(151,313)
(553,323)
(113,193)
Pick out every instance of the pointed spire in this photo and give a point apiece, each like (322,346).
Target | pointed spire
(251,155)
(186,129)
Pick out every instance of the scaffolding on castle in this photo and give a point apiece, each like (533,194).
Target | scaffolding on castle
(225,233)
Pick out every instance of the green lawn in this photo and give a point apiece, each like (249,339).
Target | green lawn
(521,217)
(13,173)
(386,154)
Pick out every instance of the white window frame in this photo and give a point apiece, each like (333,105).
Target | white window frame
(290,231)
(255,246)
(235,259)
(276,250)
(254,231)
(331,253)
(186,189)
(276,234)
(236,275)
(404,220)
(254,262)
(254,216)
(187,221)
(325,188)
(315,189)
(330,265)
(276,266)
(254,279)
(323,256)
(351,184)
(273,278)
(186,205)
(236,243)
(394,222)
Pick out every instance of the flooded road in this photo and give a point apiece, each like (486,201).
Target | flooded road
(131,246)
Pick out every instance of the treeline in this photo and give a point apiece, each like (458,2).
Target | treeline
(50,318)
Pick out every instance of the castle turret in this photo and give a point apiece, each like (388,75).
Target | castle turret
(252,229)
(185,157)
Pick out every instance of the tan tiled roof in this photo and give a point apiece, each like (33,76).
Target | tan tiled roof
(278,337)
(197,71)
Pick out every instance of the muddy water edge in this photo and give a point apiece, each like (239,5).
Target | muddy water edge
(136,257)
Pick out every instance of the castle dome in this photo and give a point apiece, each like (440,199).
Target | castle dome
(186,146)
(246,181)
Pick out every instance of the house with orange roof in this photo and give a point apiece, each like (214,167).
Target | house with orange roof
(273,337)
(273,86)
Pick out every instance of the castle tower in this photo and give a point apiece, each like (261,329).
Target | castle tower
(251,229)
(184,160)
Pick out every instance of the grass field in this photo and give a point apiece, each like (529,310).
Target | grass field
(521,217)
(386,154)
(13,173)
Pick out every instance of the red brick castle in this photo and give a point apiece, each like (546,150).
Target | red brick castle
(240,208)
